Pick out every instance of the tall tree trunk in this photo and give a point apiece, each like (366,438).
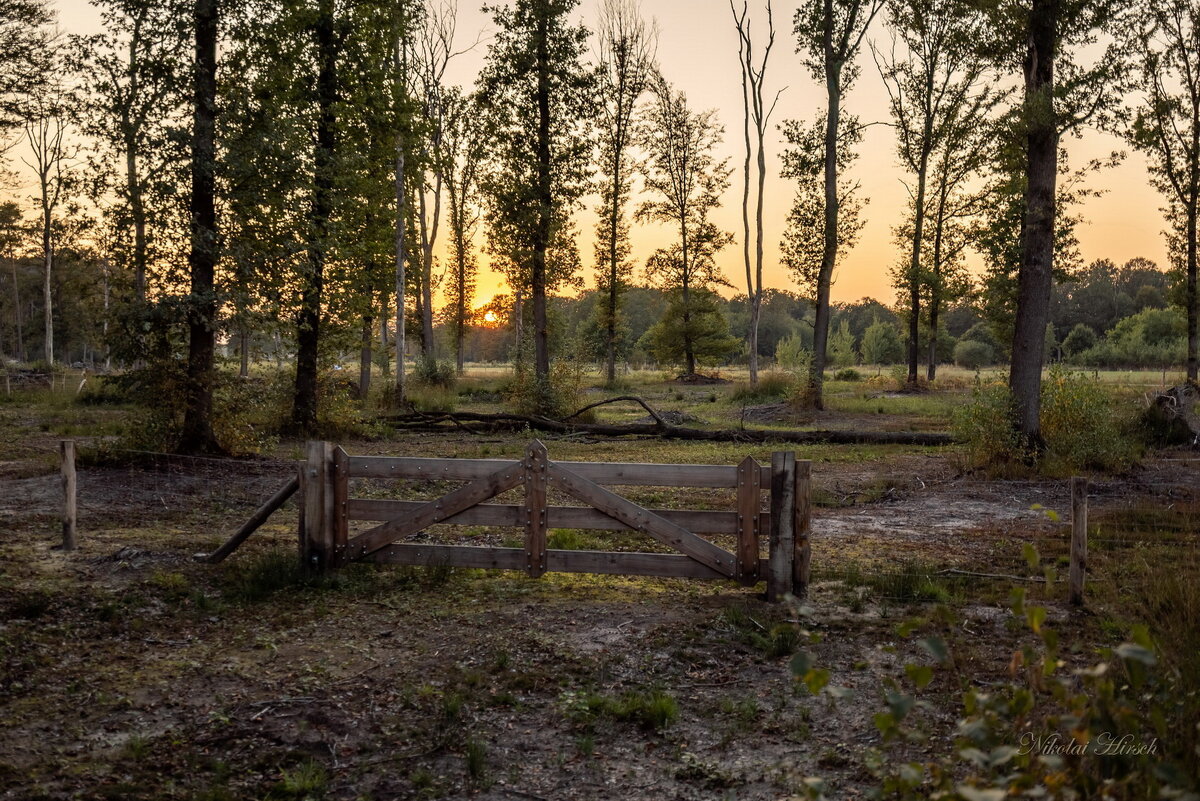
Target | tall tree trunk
(1193,308)
(829,252)
(21,356)
(137,213)
(1035,277)
(364,356)
(428,240)
(244,348)
(614,289)
(401,248)
(756,301)
(197,434)
(689,348)
(47,269)
(914,267)
(935,288)
(304,409)
(545,210)
(751,334)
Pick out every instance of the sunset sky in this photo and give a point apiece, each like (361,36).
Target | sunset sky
(698,53)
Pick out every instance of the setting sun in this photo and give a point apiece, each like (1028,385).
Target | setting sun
(490,318)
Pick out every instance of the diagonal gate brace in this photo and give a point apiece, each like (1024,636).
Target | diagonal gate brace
(478,491)
(641,519)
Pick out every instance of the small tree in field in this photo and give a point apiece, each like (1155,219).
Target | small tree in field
(685,181)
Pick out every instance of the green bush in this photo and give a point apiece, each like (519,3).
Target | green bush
(1081,425)
(770,387)
(790,354)
(972,354)
(881,344)
(432,373)
(847,374)
(560,396)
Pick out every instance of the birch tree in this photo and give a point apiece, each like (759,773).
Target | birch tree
(757,114)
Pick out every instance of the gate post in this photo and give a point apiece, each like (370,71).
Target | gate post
(749,480)
(536,464)
(783,515)
(802,529)
(317,537)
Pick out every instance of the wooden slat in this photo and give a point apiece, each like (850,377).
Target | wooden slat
(496,514)
(748,502)
(626,474)
(668,565)
(643,520)
(339,482)
(802,529)
(450,556)
(783,510)
(508,476)
(536,465)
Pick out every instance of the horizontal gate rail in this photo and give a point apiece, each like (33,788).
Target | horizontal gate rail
(628,475)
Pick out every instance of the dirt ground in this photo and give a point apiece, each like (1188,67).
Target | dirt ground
(130,671)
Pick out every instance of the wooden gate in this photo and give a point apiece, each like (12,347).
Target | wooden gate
(327,510)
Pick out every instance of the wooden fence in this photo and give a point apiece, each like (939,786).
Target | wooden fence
(327,509)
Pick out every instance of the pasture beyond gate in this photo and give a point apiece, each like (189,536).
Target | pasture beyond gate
(397,538)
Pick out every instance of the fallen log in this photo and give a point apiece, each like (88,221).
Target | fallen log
(444,421)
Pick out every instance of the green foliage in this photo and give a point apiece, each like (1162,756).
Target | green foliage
(790,354)
(770,387)
(841,346)
(1080,338)
(308,781)
(1082,426)
(652,709)
(881,344)
(1150,338)
(562,395)
(429,372)
(847,374)
(972,354)
(706,331)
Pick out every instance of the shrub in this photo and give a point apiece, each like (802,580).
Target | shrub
(881,344)
(972,354)
(790,354)
(432,373)
(1081,338)
(847,374)
(771,387)
(561,395)
(1081,426)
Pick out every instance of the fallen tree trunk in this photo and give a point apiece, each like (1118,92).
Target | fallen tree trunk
(473,421)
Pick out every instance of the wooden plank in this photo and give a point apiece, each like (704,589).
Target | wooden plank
(783,510)
(1079,514)
(495,514)
(339,482)
(66,453)
(536,466)
(667,565)
(643,520)
(620,473)
(313,539)
(435,511)
(252,525)
(748,502)
(450,556)
(802,529)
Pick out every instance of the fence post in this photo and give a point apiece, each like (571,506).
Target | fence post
(535,509)
(802,529)
(316,543)
(66,452)
(783,514)
(749,485)
(1079,513)
(339,483)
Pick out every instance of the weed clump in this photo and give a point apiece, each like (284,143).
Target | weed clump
(770,387)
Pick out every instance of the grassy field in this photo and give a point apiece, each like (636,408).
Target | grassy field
(130,671)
